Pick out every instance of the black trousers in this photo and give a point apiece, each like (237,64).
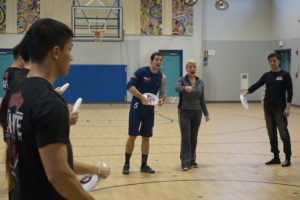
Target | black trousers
(189,122)
(276,120)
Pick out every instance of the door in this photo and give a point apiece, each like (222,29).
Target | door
(6,59)
(172,68)
(285,59)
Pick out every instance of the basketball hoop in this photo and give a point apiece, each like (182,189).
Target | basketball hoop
(98,35)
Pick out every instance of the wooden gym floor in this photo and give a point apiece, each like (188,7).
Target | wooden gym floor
(232,149)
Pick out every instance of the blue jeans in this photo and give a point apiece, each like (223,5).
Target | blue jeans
(276,120)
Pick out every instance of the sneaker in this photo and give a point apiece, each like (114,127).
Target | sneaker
(184,168)
(273,161)
(286,163)
(125,169)
(195,165)
(147,169)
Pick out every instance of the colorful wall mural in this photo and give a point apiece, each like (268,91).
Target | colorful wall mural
(151,17)
(182,18)
(28,12)
(2,16)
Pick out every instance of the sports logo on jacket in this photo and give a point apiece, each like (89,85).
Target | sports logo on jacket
(147,79)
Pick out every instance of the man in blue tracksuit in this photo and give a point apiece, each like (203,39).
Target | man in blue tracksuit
(141,115)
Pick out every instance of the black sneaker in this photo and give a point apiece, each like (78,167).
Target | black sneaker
(147,169)
(194,165)
(125,169)
(286,163)
(274,161)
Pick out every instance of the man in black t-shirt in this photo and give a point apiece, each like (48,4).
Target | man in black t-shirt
(17,65)
(35,100)
(277,103)
(37,129)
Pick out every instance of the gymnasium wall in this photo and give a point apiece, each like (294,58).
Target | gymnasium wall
(242,37)
(135,51)
(286,27)
(223,72)
(95,83)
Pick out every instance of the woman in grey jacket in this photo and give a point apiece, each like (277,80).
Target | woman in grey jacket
(190,108)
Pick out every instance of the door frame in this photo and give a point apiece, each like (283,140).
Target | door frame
(180,52)
(290,58)
(5,50)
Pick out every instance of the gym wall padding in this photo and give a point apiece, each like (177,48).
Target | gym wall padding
(95,83)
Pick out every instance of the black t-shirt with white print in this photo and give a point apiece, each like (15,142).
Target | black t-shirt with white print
(37,116)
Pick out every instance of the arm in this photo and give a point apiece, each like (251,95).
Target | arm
(203,105)
(59,173)
(4,82)
(51,120)
(58,90)
(163,90)
(179,87)
(73,117)
(289,95)
(286,112)
(132,90)
(255,86)
(82,168)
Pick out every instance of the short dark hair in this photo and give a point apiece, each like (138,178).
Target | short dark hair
(155,54)
(272,55)
(16,51)
(42,36)
(23,52)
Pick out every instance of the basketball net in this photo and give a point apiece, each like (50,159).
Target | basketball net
(98,35)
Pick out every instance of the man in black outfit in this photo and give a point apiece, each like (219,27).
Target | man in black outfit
(37,128)
(276,107)
(17,65)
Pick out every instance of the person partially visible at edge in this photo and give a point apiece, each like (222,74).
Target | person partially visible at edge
(277,103)
(17,65)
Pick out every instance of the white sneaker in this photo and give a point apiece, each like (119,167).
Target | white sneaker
(184,168)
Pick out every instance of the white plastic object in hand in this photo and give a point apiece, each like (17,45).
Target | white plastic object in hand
(101,164)
(89,181)
(152,98)
(244,101)
(77,105)
(63,88)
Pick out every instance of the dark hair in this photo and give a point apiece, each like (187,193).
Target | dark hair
(23,51)
(155,54)
(16,51)
(272,55)
(42,36)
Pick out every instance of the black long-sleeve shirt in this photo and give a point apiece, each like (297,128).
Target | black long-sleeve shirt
(277,85)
